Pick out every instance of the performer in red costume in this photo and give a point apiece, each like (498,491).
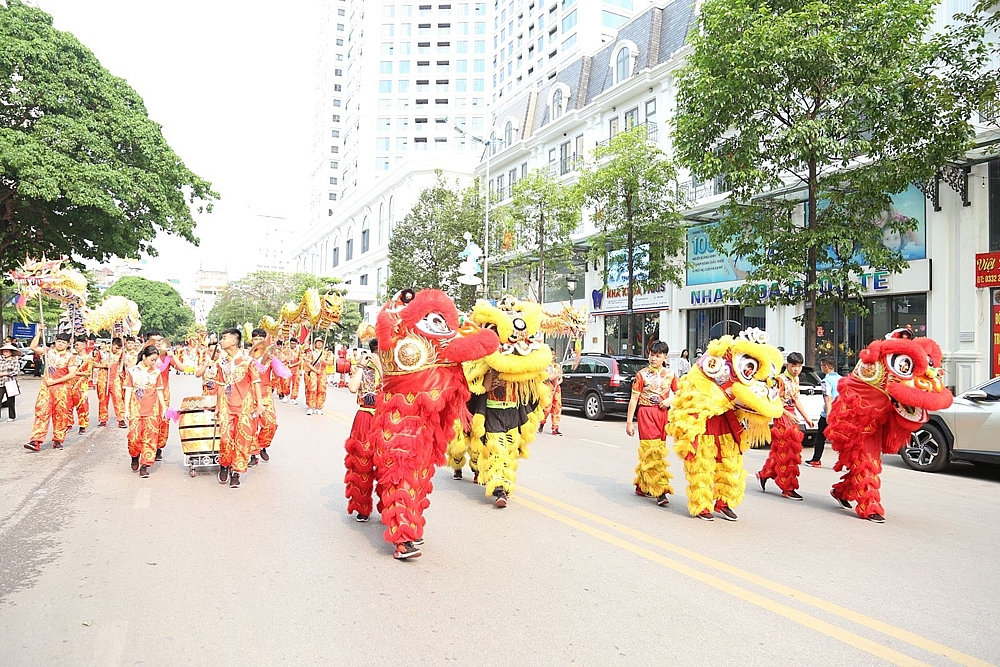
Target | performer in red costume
(366,382)
(885,398)
(272,371)
(785,457)
(422,348)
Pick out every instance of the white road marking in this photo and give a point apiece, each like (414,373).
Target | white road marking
(142,498)
(601,443)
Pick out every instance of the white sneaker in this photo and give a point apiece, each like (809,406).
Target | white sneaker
(295,401)
(11,419)
(309,411)
(284,399)
(319,412)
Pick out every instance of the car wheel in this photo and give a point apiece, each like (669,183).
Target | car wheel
(927,450)
(592,407)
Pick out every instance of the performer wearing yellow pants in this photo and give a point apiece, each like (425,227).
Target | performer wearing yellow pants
(652,391)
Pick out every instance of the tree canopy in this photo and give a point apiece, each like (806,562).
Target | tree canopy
(539,219)
(160,305)
(839,104)
(83,170)
(424,246)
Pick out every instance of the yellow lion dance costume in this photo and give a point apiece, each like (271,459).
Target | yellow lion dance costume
(724,405)
(509,397)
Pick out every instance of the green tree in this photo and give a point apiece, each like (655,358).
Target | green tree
(848,100)
(424,246)
(160,306)
(540,217)
(640,233)
(83,169)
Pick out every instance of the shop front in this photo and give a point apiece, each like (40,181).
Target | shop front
(610,306)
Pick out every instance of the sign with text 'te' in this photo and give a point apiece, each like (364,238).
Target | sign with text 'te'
(988,269)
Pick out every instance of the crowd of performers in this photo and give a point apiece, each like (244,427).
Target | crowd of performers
(439,388)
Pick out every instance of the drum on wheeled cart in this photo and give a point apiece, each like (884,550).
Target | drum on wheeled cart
(199,431)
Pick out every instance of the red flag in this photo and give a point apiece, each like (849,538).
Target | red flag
(303,334)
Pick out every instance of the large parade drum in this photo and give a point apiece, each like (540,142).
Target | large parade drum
(198,428)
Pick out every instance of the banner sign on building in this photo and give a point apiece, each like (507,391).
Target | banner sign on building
(707,265)
(615,296)
(21,330)
(995,335)
(988,269)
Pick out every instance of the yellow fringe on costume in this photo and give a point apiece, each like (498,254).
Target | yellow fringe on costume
(467,444)
(698,398)
(756,430)
(499,461)
(652,472)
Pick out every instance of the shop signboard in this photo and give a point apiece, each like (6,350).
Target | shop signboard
(988,269)
(614,298)
(706,265)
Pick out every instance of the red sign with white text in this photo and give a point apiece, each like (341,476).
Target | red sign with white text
(995,335)
(988,269)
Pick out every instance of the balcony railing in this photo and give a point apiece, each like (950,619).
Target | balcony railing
(565,165)
(695,190)
(651,129)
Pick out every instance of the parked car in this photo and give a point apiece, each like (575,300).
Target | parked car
(27,360)
(967,431)
(600,383)
(810,396)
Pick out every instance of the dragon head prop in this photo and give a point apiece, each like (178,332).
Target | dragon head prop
(48,277)
(737,374)
(522,355)
(907,370)
(419,330)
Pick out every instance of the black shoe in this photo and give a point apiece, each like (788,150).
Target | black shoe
(876,518)
(122,424)
(792,495)
(361,518)
(234,480)
(135,463)
(541,428)
(728,514)
(83,429)
(475,477)
(706,516)
(144,471)
(34,446)
(418,543)
(844,504)
(663,501)
(500,498)
(406,550)
(253,460)
(159,455)
(457,475)
(223,474)
(102,424)
(264,456)
(762,482)
(57,444)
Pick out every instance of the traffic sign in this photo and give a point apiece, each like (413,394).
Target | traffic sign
(21,330)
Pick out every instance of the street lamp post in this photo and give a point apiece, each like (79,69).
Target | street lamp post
(571,285)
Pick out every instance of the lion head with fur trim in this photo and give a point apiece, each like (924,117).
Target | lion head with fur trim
(522,355)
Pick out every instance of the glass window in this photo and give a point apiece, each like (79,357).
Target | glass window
(388,11)
(461,47)
(382,124)
(388,30)
(624,4)
(403,86)
(480,46)
(460,85)
(612,20)
(387,48)
(631,118)
(557,103)
(508,133)
(569,21)
(404,66)
(384,86)
(623,64)
(365,233)
(382,143)
(478,85)
(479,65)
(349,246)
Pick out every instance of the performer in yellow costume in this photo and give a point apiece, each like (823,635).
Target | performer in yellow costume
(509,397)
(723,406)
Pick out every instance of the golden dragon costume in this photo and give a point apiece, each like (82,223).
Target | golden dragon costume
(509,397)
(723,406)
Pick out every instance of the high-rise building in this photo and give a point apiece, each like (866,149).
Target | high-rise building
(530,40)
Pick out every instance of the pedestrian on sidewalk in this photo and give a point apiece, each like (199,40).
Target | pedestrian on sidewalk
(683,364)
(10,367)
(652,394)
(830,379)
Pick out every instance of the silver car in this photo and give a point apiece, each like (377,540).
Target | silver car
(967,431)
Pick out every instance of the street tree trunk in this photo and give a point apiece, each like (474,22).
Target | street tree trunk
(810,292)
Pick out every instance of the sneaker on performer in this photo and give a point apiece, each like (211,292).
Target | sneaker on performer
(223,474)
(309,411)
(264,456)
(663,501)
(361,518)
(457,474)
(727,513)
(761,482)
(234,480)
(814,464)
(406,550)
(706,516)
(844,504)
(793,495)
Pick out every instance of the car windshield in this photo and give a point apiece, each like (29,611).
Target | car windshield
(809,377)
(631,366)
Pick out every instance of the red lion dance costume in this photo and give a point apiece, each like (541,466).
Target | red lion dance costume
(883,401)
(424,391)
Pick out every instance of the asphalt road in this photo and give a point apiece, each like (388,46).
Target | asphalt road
(100,567)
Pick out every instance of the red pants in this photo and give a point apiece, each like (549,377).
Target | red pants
(267,422)
(861,482)
(79,397)
(554,409)
(164,426)
(103,394)
(142,433)
(785,457)
(360,464)
(315,390)
(293,384)
(238,438)
(52,404)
